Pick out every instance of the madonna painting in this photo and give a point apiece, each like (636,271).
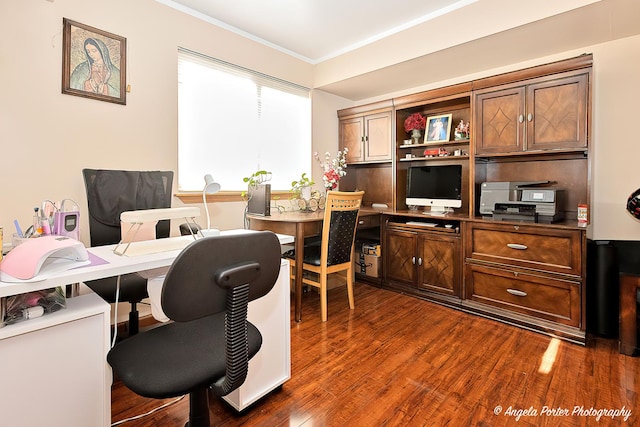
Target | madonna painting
(93,63)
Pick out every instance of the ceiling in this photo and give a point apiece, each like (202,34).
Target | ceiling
(316,30)
(457,38)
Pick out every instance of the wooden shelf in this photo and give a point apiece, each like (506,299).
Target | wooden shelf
(435,144)
(413,159)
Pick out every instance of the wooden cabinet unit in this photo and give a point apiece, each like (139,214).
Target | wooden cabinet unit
(454,100)
(367,135)
(539,248)
(529,125)
(529,275)
(526,298)
(423,259)
(366,132)
(548,113)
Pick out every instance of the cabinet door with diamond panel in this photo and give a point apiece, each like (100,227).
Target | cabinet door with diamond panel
(439,264)
(557,114)
(500,121)
(351,136)
(400,258)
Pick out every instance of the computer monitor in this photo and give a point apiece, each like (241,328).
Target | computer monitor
(438,186)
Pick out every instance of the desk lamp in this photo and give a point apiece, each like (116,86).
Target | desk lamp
(210,187)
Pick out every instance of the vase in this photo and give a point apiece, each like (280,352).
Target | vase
(416,134)
(305,192)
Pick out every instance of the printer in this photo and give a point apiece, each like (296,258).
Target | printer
(531,201)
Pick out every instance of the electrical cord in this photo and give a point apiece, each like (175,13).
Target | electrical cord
(137,417)
(115,313)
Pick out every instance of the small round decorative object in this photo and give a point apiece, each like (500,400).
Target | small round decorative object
(633,204)
(322,202)
(302,204)
(313,205)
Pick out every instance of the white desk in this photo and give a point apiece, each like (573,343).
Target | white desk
(57,363)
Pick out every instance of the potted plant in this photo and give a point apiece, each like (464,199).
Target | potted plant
(301,188)
(253,181)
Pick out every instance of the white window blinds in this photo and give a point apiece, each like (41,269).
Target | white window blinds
(233,121)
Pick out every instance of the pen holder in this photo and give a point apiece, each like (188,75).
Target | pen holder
(16,240)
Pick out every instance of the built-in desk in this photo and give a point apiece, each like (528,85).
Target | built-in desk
(299,224)
(53,368)
(54,371)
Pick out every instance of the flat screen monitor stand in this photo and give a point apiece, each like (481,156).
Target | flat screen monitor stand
(438,211)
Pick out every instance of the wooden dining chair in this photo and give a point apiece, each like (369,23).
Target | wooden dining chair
(335,251)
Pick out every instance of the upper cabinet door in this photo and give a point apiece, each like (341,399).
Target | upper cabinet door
(545,115)
(351,136)
(377,137)
(557,114)
(500,121)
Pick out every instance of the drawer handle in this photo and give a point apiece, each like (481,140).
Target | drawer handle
(517,246)
(413,260)
(360,222)
(517,292)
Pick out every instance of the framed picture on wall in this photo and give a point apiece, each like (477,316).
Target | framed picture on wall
(93,63)
(438,128)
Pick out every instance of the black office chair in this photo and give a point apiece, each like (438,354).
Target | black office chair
(210,342)
(334,251)
(109,193)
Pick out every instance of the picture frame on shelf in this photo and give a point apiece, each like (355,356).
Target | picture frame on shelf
(93,63)
(438,128)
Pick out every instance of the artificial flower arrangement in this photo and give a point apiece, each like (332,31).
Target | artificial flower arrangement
(415,121)
(334,169)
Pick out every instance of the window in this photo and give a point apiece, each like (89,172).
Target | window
(233,122)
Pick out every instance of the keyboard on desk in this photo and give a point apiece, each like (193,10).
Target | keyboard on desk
(422,223)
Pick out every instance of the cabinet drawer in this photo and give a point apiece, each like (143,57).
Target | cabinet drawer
(553,250)
(542,297)
(368,221)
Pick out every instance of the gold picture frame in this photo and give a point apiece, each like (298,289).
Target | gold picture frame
(438,128)
(94,63)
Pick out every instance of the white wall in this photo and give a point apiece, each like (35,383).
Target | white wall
(47,137)
(617,142)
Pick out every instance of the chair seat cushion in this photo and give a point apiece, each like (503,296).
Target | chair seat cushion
(133,288)
(311,254)
(151,367)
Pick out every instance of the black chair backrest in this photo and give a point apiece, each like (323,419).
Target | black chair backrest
(341,232)
(197,282)
(341,212)
(111,192)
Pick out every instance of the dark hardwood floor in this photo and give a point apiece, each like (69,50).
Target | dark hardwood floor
(399,361)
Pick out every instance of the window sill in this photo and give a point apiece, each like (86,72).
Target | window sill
(224,196)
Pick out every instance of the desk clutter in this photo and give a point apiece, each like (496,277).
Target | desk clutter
(33,261)
(51,219)
(17,308)
(367,260)
(48,245)
(37,258)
